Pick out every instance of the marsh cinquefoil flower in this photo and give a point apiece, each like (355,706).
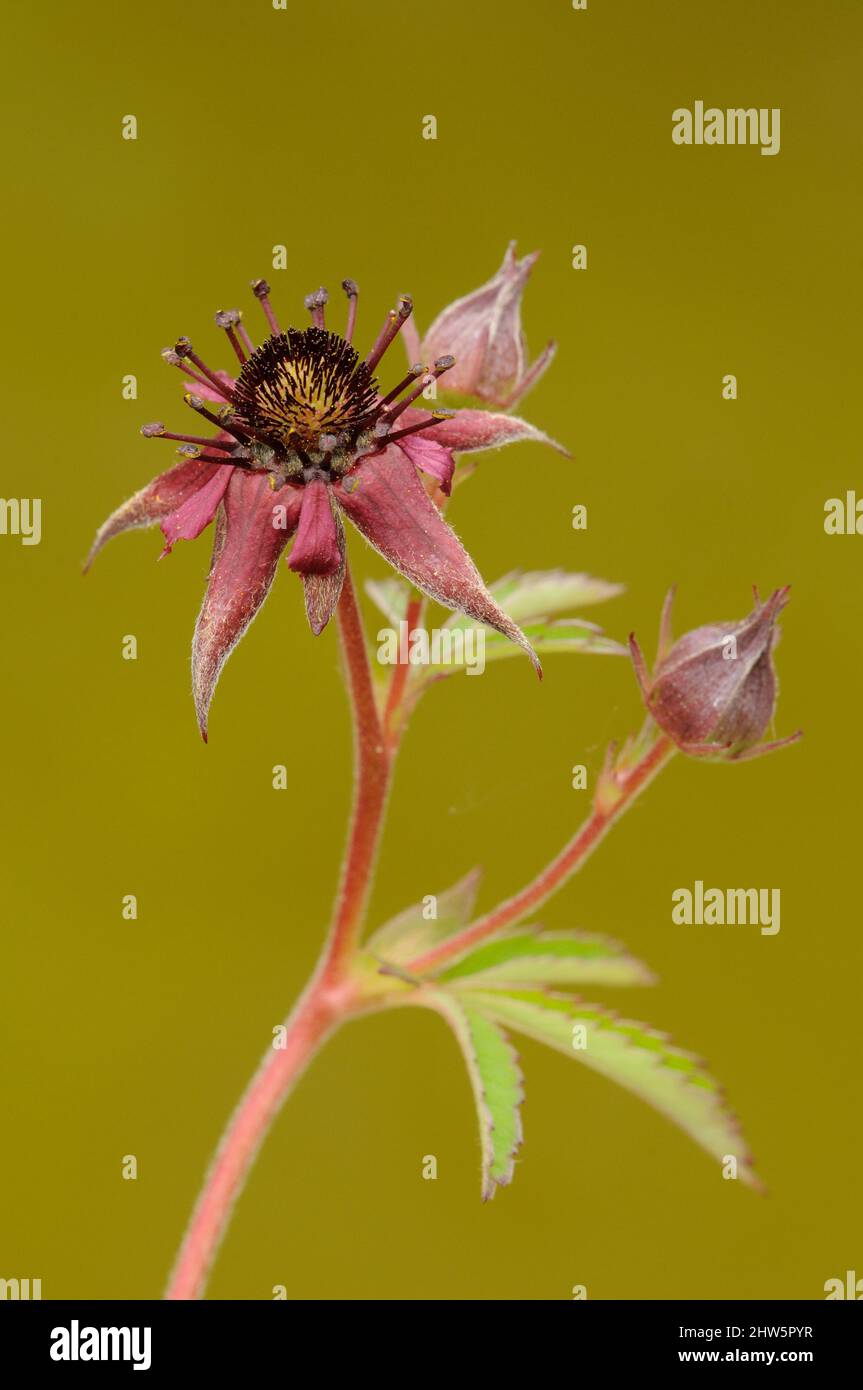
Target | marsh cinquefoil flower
(713,692)
(305,437)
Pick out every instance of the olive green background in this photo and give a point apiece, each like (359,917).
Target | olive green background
(303,127)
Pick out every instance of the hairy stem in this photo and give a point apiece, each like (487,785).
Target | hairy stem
(373,762)
(334,994)
(626,788)
(306,1029)
(331,996)
(395,694)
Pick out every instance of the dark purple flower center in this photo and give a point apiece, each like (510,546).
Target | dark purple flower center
(304,385)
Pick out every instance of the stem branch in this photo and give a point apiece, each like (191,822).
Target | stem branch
(571,857)
(333,995)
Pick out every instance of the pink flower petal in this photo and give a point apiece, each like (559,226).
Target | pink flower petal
(316,548)
(252,528)
(323,591)
(426,453)
(161,497)
(480,429)
(530,378)
(198,510)
(388,504)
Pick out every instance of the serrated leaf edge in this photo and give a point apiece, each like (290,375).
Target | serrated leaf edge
(705,1081)
(615,951)
(455,1014)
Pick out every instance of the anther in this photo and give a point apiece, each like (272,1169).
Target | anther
(174,360)
(352,290)
(315,303)
(183,348)
(261,291)
(229,319)
(221,421)
(392,325)
(153,431)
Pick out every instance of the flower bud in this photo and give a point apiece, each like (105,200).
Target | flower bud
(483,331)
(713,692)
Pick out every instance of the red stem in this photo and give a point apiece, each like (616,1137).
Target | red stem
(310,1023)
(373,764)
(400,675)
(571,857)
(331,996)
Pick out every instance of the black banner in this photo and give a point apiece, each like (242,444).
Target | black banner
(78,1338)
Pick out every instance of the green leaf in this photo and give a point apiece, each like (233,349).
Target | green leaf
(411,933)
(535,601)
(568,635)
(459,639)
(632,1054)
(550,593)
(495,1076)
(529,957)
(534,597)
(392,597)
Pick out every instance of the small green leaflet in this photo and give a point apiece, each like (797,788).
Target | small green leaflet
(495,1076)
(544,594)
(529,957)
(537,601)
(411,934)
(569,636)
(392,597)
(632,1054)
